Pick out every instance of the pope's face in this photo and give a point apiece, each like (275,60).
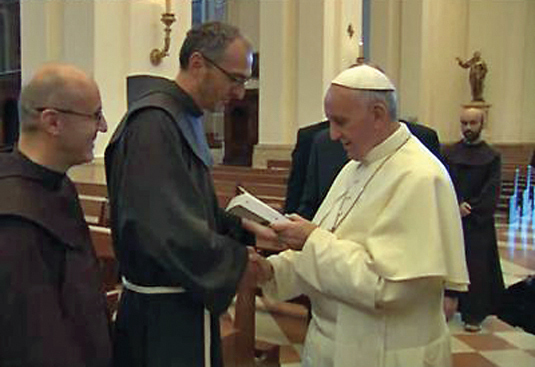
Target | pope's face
(351,121)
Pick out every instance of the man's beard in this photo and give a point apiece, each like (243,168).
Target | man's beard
(471,136)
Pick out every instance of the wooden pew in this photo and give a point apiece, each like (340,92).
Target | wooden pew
(242,169)
(249,174)
(103,245)
(260,190)
(92,189)
(245,177)
(102,242)
(240,348)
(279,164)
(95,210)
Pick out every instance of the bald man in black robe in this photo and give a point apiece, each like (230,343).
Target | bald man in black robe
(52,310)
(475,171)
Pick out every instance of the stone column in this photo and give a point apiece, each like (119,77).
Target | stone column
(303,45)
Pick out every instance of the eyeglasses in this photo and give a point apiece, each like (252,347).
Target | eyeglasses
(97,116)
(236,79)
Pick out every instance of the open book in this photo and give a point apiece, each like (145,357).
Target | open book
(247,206)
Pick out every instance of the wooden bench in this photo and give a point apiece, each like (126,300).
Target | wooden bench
(96,210)
(103,245)
(242,169)
(92,189)
(240,347)
(279,164)
(256,189)
(245,178)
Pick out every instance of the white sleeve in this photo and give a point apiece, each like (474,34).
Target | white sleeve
(343,270)
(284,284)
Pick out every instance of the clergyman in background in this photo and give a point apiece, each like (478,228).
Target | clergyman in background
(475,171)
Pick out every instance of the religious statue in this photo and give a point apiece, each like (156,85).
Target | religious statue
(478,71)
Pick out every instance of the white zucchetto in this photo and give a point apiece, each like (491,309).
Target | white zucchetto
(364,77)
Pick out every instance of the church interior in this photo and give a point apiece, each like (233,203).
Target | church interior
(300,45)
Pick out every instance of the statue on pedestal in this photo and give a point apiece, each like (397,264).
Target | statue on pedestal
(478,71)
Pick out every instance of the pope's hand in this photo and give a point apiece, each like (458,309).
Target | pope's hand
(261,232)
(295,232)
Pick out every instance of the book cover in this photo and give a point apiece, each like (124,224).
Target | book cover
(248,206)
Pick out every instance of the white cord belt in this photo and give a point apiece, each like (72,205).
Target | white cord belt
(174,290)
(152,289)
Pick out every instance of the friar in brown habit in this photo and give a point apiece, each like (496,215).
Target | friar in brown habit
(52,310)
(475,171)
(180,254)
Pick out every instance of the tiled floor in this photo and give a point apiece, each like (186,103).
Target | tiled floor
(497,345)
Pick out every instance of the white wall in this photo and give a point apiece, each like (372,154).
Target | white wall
(417,42)
(504,32)
(278,57)
(303,44)
(246,16)
(109,39)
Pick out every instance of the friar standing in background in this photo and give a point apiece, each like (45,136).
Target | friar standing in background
(475,171)
(52,310)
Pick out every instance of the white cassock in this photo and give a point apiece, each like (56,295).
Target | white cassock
(376,281)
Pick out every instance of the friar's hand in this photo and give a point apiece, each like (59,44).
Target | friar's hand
(295,232)
(465,209)
(263,269)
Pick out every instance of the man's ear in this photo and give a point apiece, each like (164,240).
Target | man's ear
(380,112)
(51,123)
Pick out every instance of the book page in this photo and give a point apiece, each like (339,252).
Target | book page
(248,206)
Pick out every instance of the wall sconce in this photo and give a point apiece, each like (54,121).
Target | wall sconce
(167,19)
(360,58)
(350,31)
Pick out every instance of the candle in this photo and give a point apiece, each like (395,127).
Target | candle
(361,49)
(167,6)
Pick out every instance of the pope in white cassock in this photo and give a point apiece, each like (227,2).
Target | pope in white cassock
(382,248)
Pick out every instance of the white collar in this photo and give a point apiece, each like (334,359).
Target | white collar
(388,146)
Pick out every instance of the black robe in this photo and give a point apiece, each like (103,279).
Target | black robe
(52,312)
(168,230)
(300,159)
(475,172)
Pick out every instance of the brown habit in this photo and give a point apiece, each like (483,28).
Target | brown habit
(52,312)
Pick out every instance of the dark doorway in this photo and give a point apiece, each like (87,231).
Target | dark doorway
(241,129)
(9,70)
